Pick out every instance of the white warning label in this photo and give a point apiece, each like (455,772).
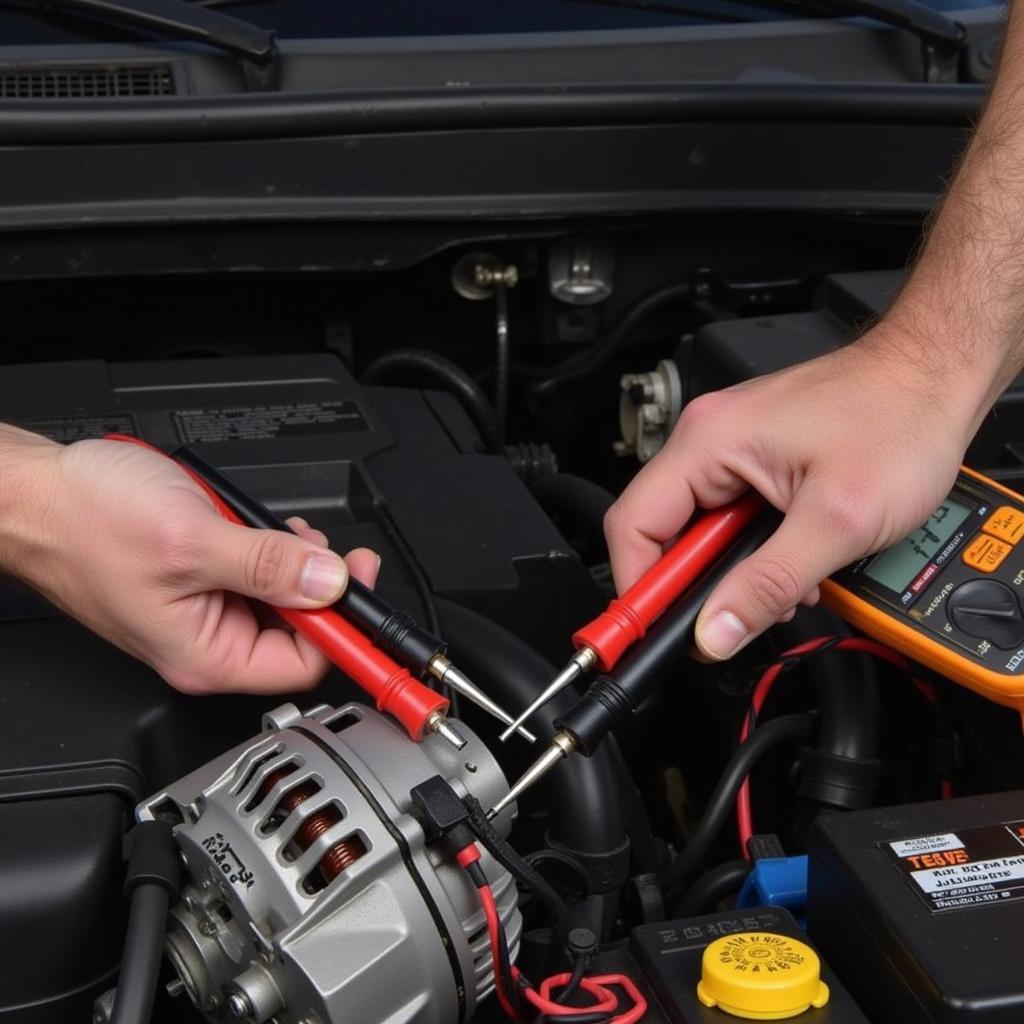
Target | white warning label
(265,422)
(969,868)
(926,844)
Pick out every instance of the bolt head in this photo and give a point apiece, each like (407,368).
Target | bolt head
(239,1005)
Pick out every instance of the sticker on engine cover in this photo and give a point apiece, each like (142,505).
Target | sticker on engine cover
(266,422)
(67,429)
(972,868)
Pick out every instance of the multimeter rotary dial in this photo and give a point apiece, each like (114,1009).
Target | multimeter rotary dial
(989,610)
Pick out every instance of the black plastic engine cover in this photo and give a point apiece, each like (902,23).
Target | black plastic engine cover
(86,731)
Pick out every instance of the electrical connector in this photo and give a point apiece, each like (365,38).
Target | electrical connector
(442,815)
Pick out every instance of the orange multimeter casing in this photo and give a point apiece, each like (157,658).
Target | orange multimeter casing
(950,595)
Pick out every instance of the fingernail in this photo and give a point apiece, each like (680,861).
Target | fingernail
(323,577)
(375,555)
(722,635)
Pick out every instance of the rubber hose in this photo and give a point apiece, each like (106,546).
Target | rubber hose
(405,363)
(846,685)
(844,769)
(592,360)
(711,888)
(585,812)
(143,951)
(582,503)
(720,803)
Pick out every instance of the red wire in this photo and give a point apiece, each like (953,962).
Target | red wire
(864,645)
(494,936)
(605,1000)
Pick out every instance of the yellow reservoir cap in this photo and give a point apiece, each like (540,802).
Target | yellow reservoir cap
(761,976)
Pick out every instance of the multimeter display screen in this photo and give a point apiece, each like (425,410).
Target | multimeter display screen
(897,566)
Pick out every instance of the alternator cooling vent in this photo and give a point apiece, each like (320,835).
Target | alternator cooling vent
(85,81)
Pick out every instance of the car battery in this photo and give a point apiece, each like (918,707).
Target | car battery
(920,908)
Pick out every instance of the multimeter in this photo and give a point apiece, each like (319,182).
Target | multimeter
(950,594)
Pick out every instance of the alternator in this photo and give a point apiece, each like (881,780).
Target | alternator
(310,895)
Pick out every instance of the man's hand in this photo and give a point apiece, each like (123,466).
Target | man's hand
(857,448)
(124,541)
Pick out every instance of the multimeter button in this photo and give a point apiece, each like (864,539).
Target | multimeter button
(989,610)
(986,553)
(1006,523)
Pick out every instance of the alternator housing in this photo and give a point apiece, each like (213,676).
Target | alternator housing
(311,894)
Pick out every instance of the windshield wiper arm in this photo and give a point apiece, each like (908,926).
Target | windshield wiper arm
(941,37)
(178,19)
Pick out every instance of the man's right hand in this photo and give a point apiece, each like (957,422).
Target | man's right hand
(857,448)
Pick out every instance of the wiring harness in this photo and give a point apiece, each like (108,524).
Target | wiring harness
(461,828)
(797,655)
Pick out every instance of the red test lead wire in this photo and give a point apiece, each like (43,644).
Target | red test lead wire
(395,692)
(601,642)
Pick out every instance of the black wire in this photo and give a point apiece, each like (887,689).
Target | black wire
(588,362)
(508,982)
(791,661)
(503,967)
(505,855)
(143,953)
(403,363)
(739,766)
(788,663)
(568,991)
(419,581)
(574,982)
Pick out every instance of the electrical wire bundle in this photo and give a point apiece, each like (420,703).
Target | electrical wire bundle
(796,656)
(547,1003)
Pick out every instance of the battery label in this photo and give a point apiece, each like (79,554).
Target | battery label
(68,429)
(266,422)
(970,868)
(926,844)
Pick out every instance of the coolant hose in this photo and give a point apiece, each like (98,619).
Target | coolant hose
(403,363)
(583,793)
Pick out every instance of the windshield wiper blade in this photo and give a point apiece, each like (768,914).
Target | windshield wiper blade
(178,19)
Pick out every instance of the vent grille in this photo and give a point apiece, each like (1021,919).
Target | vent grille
(85,82)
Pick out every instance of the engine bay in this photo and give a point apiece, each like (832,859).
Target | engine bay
(471,415)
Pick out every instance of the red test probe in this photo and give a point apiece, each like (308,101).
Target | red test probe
(419,709)
(601,643)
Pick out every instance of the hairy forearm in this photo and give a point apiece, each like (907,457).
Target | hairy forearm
(965,297)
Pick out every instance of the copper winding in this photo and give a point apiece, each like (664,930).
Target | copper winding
(342,854)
